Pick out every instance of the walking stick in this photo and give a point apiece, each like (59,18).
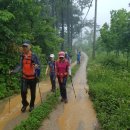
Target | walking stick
(55,87)
(9,104)
(55,92)
(73,87)
(6,89)
(40,92)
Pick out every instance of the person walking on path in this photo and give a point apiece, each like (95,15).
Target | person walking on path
(30,68)
(51,68)
(78,57)
(67,57)
(62,71)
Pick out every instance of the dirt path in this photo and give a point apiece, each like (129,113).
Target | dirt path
(78,114)
(8,120)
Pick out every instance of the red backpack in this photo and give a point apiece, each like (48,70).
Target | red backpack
(28,68)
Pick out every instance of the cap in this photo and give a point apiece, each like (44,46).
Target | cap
(25,44)
(61,54)
(52,55)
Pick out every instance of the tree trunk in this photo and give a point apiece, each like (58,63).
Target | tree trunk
(53,10)
(71,24)
(68,23)
(62,22)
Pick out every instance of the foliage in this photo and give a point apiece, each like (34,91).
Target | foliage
(109,89)
(19,20)
(116,36)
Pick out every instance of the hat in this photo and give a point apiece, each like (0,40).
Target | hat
(61,54)
(52,55)
(25,44)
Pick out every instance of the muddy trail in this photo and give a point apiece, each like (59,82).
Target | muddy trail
(77,114)
(10,117)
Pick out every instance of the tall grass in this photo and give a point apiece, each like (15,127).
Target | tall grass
(109,82)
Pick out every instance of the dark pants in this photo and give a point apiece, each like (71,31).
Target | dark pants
(62,85)
(78,61)
(53,80)
(32,85)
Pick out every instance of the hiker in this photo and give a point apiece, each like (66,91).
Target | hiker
(30,67)
(62,71)
(51,68)
(67,57)
(78,57)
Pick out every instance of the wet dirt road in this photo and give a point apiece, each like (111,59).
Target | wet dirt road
(77,114)
(8,120)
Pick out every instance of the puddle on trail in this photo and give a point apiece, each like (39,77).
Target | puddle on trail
(15,106)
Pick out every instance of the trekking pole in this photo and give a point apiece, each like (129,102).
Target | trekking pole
(55,92)
(6,89)
(9,104)
(73,87)
(40,92)
(55,86)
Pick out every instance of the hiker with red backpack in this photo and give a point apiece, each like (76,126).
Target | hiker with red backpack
(51,68)
(30,68)
(62,72)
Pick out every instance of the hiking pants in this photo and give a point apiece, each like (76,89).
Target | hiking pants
(53,80)
(78,60)
(62,85)
(31,83)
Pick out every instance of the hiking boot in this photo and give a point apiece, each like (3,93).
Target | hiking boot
(66,101)
(23,109)
(30,109)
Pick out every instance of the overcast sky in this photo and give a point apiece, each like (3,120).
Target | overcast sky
(104,7)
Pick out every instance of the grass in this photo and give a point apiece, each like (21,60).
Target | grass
(109,83)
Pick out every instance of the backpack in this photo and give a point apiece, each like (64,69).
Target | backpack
(32,59)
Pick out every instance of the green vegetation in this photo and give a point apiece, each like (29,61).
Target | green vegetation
(109,83)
